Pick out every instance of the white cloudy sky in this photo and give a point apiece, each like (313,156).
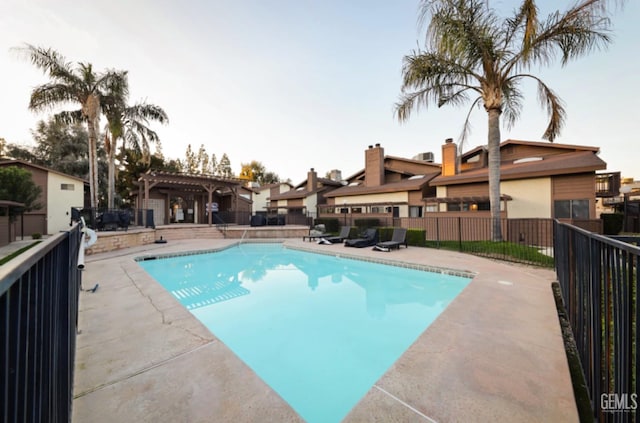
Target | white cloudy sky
(297,84)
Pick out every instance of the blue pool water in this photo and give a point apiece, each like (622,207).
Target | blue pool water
(320,330)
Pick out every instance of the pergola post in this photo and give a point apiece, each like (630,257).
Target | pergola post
(139,204)
(210,209)
(145,203)
(235,201)
(167,211)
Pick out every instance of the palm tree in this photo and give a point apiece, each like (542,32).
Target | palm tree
(75,84)
(129,123)
(475,55)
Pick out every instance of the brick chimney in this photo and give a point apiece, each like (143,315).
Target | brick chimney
(449,158)
(312,180)
(374,166)
(335,175)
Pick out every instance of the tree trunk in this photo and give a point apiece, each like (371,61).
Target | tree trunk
(91,109)
(494,172)
(109,145)
(93,163)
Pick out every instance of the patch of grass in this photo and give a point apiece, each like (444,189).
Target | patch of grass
(499,250)
(5,259)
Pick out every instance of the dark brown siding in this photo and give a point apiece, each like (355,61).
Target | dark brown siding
(467,190)
(295,203)
(244,206)
(392,177)
(512,152)
(35,221)
(415,198)
(410,167)
(480,163)
(575,187)
(5,235)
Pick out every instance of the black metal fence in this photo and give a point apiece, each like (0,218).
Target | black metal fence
(528,241)
(38,320)
(102,219)
(599,279)
(278,219)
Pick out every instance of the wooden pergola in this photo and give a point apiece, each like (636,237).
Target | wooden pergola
(208,188)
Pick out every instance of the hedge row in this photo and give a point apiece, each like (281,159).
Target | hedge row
(331,224)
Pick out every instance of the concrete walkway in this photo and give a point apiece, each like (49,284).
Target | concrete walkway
(495,354)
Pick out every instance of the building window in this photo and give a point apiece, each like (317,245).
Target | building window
(377,209)
(470,206)
(571,209)
(431,208)
(67,187)
(356,209)
(415,211)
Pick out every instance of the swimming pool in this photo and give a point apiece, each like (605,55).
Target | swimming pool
(319,329)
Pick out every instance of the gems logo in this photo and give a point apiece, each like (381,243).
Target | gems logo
(618,403)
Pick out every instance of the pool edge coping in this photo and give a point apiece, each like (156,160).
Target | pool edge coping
(390,262)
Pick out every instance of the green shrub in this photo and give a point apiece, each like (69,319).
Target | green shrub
(612,223)
(331,224)
(36,235)
(366,223)
(416,237)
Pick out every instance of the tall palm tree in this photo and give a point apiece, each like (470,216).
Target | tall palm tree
(131,124)
(75,84)
(474,55)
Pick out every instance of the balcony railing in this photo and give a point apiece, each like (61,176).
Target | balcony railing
(608,184)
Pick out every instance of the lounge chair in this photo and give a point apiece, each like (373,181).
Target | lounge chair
(398,238)
(316,232)
(344,234)
(367,239)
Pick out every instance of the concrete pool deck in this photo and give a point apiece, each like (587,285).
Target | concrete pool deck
(495,354)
